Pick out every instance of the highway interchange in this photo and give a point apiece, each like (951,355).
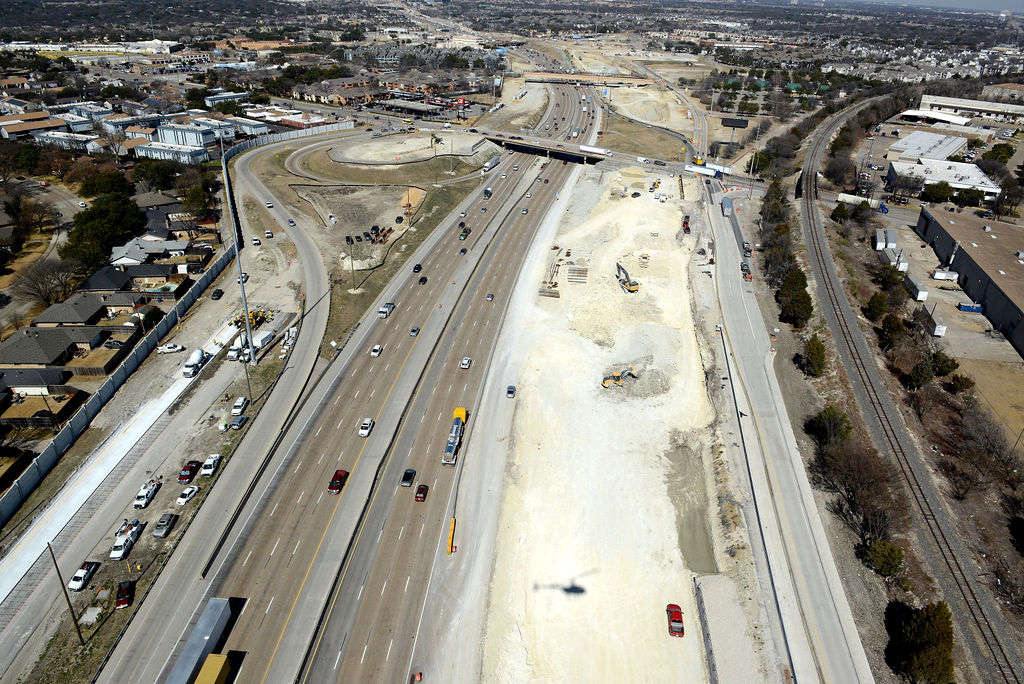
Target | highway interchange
(337,588)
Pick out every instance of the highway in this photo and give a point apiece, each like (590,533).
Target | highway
(820,635)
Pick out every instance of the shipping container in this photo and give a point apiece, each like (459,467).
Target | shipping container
(918,291)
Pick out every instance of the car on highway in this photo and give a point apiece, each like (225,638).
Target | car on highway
(217,294)
(462,213)
(525,210)
(462,251)
(417,268)
(504,175)
(124,595)
(529,195)
(187,495)
(291,223)
(539,179)
(421,492)
(408,476)
(268,205)
(675,620)
(483,210)
(423,280)
(510,392)
(545,180)
(169,349)
(366,427)
(490,297)
(188,472)
(466,362)
(81,203)
(415,331)
(462,224)
(44,184)
(164,525)
(376,351)
(337,482)
(82,576)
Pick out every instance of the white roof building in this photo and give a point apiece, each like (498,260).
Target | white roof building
(955,105)
(186,154)
(920,144)
(959,175)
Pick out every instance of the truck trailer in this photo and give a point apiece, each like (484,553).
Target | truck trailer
(726,206)
(594,150)
(454,436)
(703,170)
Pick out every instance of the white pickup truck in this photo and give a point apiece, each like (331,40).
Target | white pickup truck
(146,493)
(125,540)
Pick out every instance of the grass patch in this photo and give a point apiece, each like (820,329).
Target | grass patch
(414,173)
(631,138)
(348,307)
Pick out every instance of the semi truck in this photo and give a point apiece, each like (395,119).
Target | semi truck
(491,163)
(454,436)
(726,206)
(594,150)
(575,132)
(856,200)
(204,636)
(703,170)
(215,670)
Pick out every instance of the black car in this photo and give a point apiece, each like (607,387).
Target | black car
(399,219)
(359,238)
(113,344)
(348,239)
(417,268)
(217,294)
(366,235)
(375,230)
(423,280)
(462,224)
(407,477)
(462,251)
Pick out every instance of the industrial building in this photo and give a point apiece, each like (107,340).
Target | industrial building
(959,175)
(922,144)
(989,258)
(998,111)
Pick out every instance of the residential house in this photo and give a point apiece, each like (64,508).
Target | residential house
(15,131)
(84,308)
(12,105)
(77,349)
(139,251)
(186,154)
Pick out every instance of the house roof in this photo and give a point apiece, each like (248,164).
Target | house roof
(41,125)
(107,279)
(44,346)
(80,308)
(27,116)
(149,270)
(32,377)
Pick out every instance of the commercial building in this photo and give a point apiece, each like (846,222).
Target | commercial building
(998,111)
(212,101)
(989,258)
(960,176)
(918,144)
(249,127)
(193,135)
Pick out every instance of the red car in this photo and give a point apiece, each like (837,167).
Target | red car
(188,471)
(675,620)
(124,595)
(421,492)
(337,482)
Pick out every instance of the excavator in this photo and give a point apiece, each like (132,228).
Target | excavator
(616,379)
(627,284)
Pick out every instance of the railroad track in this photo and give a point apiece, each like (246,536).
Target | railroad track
(819,253)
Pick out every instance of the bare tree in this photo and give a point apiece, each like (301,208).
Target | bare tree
(113,138)
(8,152)
(962,481)
(907,185)
(47,282)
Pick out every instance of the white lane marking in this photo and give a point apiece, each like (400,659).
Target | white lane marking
(296,547)
(339,423)
(272,512)
(450,387)
(275,546)
(336,401)
(385,586)
(386,366)
(407,582)
(433,390)
(298,466)
(399,346)
(300,497)
(319,429)
(318,500)
(465,387)
(361,587)
(388,656)
(321,458)
(421,529)
(356,394)
(400,532)
(372,392)
(380,534)
(269,604)
(364,651)
(246,561)
(336,660)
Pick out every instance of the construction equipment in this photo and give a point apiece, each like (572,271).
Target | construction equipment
(645,260)
(616,379)
(624,280)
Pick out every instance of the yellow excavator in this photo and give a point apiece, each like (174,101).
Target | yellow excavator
(625,281)
(616,379)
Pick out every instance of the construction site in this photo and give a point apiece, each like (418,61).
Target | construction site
(614,438)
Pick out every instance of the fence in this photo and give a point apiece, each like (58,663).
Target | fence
(62,441)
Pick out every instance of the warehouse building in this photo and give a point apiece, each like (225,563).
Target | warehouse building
(918,144)
(998,111)
(989,258)
(959,175)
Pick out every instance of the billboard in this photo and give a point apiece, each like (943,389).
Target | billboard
(734,123)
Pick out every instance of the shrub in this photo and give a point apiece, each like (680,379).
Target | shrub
(829,426)
(876,307)
(920,375)
(921,642)
(943,364)
(885,558)
(893,331)
(814,357)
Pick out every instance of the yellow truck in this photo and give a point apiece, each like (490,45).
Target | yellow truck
(215,670)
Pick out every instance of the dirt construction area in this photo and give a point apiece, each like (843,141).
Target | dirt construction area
(606,518)
(654,105)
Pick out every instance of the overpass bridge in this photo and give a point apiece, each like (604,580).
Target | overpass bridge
(552,149)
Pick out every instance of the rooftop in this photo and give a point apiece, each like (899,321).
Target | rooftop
(958,174)
(928,145)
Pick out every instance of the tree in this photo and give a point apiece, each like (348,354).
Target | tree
(110,221)
(920,375)
(937,192)
(156,173)
(970,197)
(943,364)
(893,331)
(8,153)
(196,202)
(106,183)
(876,307)
(885,558)
(921,643)
(814,357)
(47,282)
(841,213)
(828,427)
(840,170)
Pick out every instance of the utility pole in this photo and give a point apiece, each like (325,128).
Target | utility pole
(67,598)
(238,262)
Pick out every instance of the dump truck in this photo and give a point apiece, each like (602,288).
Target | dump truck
(454,436)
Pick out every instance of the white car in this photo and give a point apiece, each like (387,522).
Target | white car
(256,241)
(529,195)
(81,578)
(365,427)
(377,349)
(269,205)
(169,349)
(81,203)
(504,175)
(466,363)
(187,495)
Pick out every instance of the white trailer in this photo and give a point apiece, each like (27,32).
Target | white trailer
(917,290)
(940,274)
(594,150)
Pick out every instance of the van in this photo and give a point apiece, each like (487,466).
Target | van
(238,408)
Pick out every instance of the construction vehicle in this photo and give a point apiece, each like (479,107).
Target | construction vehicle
(645,260)
(454,436)
(616,379)
(627,284)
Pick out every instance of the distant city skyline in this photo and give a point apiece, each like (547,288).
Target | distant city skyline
(975,5)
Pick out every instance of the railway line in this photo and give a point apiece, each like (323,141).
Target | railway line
(934,519)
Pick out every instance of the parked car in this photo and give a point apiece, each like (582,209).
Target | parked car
(376,351)
(124,595)
(210,465)
(188,472)
(239,422)
(366,427)
(421,492)
(675,620)
(187,495)
(337,482)
(407,477)
(169,349)
(244,278)
(113,344)
(164,525)
(256,241)
(81,578)
(217,294)
(81,203)
(238,408)
(267,234)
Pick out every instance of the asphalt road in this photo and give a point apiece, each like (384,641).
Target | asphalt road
(820,634)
